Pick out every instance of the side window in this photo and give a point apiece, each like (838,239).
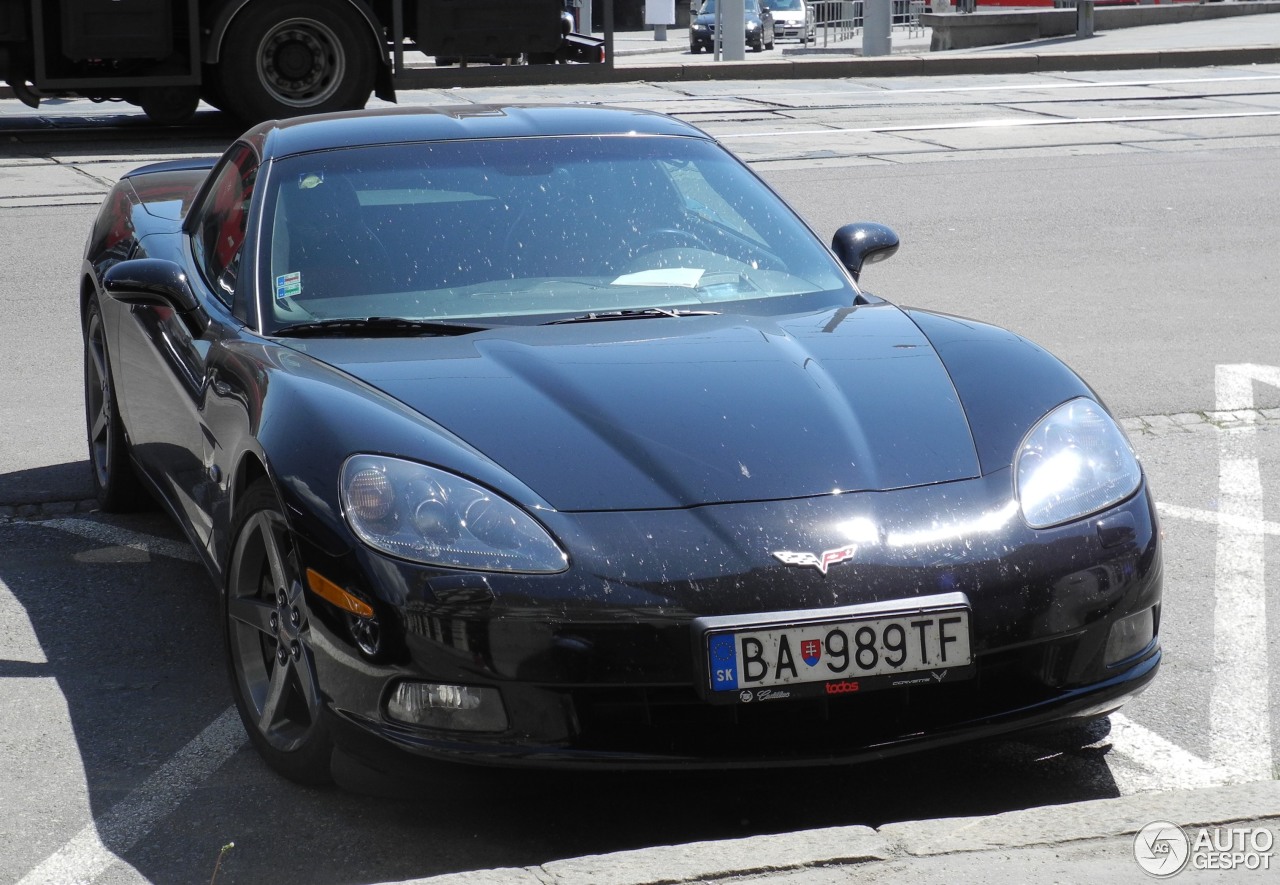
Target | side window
(218,236)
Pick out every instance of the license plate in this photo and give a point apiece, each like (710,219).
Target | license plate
(852,649)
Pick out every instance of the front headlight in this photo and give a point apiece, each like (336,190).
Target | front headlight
(1074,462)
(753,26)
(426,515)
(698,26)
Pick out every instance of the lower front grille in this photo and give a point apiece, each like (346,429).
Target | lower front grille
(675,721)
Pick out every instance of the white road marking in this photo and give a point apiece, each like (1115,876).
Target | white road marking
(114,535)
(100,843)
(1150,763)
(1213,517)
(1018,87)
(1239,700)
(1000,123)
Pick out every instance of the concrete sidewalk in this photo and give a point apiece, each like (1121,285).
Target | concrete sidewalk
(1094,842)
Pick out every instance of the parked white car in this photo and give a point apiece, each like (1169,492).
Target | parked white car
(793,20)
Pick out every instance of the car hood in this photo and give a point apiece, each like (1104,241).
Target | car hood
(710,18)
(790,16)
(679,412)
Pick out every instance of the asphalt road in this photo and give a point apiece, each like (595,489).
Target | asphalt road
(1125,221)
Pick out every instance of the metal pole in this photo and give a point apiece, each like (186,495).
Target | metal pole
(719,26)
(877,24)
(733,29)
(608,33)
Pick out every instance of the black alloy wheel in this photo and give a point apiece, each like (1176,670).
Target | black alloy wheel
(115,484)
(269,653)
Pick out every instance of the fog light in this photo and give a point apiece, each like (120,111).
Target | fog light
(1130,635)
(453,707)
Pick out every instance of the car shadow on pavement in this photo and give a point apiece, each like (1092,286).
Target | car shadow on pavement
(134,669)
(59,483)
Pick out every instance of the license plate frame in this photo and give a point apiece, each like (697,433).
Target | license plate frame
(927,626)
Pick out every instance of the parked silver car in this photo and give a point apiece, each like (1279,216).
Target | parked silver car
(794,20)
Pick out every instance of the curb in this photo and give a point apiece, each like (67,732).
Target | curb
(905,65)
(939,64)
(701,862)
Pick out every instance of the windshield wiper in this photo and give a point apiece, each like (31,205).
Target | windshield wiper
(640,313)
(390,327)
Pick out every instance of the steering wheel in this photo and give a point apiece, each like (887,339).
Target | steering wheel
(657,239)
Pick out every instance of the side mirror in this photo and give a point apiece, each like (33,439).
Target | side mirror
(156,282)
(863,242)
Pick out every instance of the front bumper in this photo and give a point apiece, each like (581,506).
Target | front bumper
(791,31)
(707,39)
(600,665)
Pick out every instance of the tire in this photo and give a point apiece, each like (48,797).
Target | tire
(115,484)
(211,89)
(268,633)
(169,105)
(291,58)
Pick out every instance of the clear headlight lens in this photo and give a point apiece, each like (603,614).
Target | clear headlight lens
(419,513)
(699,27)
(1074,462)
(752,26)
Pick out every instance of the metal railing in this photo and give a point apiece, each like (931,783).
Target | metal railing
(840,20)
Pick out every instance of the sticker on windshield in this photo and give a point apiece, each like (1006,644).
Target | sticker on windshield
(686,277)
(288,285)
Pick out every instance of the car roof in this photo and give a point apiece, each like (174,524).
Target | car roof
(280,138)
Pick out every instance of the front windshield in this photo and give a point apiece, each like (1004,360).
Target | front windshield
(528,227)
(786,5)
(709,6)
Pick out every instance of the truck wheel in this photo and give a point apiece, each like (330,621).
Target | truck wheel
(291,58)
(169,105)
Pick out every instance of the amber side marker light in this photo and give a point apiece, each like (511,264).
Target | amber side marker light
(331,592)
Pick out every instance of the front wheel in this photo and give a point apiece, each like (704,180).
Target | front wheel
(286,59)
(115,484)
(269,651)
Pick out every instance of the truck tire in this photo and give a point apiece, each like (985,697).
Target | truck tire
(169,105)
(286,59)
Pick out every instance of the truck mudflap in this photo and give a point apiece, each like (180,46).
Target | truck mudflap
(581,48)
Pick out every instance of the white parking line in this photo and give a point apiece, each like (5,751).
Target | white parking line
(100,843)
(109,534)
(1224,520)
(1240,699)
(1150,763)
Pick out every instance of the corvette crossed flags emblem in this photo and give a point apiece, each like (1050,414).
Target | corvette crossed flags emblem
(821,561)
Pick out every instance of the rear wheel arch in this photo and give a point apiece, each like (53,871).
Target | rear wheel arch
(222,23)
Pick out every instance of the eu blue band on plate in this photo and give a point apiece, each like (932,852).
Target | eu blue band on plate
(724,662)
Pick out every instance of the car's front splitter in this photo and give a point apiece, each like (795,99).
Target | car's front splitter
(390,748)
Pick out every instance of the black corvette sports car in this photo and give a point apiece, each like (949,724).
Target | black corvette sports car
(551,435)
